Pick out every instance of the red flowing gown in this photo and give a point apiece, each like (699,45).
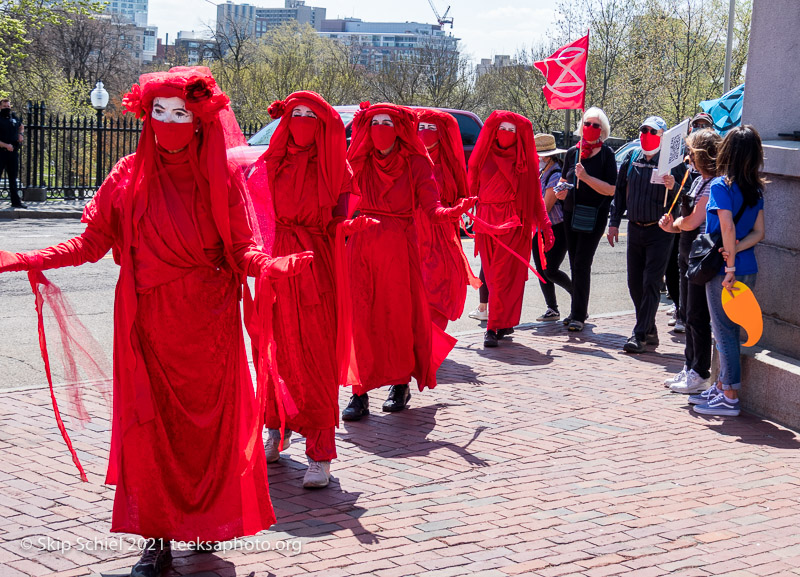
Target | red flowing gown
(181,416)
(304,322)
(505,274)
(393,336)
(446,272)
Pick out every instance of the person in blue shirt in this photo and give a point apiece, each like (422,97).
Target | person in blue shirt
(740,183)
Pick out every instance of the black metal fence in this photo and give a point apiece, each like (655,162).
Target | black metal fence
(70,156)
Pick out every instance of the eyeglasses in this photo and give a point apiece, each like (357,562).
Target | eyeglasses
(647,130)
(592,125)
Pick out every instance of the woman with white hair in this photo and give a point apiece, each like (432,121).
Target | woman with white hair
(588,179)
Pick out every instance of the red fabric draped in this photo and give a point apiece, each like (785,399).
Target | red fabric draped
(393,336)
(446,272)
(306,185)
(510,210)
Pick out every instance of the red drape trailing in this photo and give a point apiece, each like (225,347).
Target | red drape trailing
(446,272)
(393,336)
(510,211)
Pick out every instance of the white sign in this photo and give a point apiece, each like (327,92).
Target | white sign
(672,147)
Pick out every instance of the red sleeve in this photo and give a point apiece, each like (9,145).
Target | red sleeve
(102,218)
(243,247)
(426,191)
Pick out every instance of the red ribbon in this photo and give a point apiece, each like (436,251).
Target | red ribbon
(525,261)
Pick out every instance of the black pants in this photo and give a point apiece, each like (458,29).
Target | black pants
(552,274)
(582,247)
(673,278)
(9,163)
(649,249)
(696,316)
(483,291)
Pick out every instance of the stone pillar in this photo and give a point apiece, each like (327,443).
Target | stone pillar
(771,371)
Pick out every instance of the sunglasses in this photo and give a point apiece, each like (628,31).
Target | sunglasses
(592,125)
(701,125)
(647,130)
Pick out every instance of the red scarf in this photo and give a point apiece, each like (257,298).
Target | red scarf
(587,148)
(448,154)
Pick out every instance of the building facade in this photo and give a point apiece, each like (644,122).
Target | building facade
(383,42)
(248,21)
(134,11)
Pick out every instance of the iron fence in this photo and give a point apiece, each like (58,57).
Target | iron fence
(69,156)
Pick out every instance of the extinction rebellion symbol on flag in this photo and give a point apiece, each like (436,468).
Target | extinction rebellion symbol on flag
(565,75)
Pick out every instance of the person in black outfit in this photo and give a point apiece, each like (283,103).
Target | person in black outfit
(586,206)
(649,247)
(702,145)
(11,130)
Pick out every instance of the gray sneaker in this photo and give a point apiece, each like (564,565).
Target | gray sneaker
(549,315)
(271,450)
(318,474)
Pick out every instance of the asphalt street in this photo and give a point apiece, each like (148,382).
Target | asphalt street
(90,289)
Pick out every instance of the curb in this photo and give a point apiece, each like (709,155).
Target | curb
(17,213)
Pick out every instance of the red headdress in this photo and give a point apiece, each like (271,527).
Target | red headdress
(405,124)
(525,166)
(330,140)
(451,153)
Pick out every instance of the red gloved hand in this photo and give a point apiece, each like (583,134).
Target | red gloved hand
(548,237)
(12,262)
(357,224)
(455,212)
(466,204)
(290,265)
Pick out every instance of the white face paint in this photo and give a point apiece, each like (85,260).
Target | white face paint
(427,126)
(303,110)
(171,110)
(507,126)
(382,119)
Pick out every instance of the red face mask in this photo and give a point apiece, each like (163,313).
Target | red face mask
(650,142)
(429,137)
(383,136)
(173,135)
(591,134)
(303,129)
(506,138)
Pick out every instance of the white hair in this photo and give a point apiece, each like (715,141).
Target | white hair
(595,112)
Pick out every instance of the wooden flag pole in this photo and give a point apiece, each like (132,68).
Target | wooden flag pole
(685,176)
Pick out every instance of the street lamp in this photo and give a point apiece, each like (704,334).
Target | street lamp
(99,97)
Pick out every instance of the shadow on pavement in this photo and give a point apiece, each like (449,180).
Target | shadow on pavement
(452,372)
(752,430)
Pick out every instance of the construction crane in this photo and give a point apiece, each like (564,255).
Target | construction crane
(443,19)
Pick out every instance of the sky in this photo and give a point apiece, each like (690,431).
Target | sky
(485,27)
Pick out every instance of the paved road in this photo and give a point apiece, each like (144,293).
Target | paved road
(91,291)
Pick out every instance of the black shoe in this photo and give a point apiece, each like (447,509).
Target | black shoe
(567,320)
(20,205)
(504,333)
(634,345)
(651,339)
(156,558)
(490,339)
(399,395)
(357,407)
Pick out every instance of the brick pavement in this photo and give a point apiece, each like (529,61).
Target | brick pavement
(552,455)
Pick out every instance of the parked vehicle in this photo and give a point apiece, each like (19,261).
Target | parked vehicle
(623,151)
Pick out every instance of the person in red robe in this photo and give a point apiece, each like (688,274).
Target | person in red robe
(445,269)
(305,174)
(393,337)
(503,174)
(185,421)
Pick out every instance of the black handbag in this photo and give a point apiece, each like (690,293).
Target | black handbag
(705,260)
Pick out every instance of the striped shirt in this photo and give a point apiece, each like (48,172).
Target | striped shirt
(643,200)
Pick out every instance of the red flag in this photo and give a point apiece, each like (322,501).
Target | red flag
(565,75)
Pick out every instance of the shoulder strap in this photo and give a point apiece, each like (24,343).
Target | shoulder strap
(631,159)
(740,213)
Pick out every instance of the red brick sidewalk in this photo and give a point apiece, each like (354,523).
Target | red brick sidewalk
(551,455)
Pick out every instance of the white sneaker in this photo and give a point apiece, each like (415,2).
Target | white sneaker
(680,326)
(271,450)
(479,315)
(693,384)
(318,474)
(679,378)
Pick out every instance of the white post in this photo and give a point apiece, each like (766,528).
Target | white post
(729,47)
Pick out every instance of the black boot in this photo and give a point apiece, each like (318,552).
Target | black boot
(634,345)
(357,407)
(652,339)
(504,332)
(399,396)
(490,339)
(156,558)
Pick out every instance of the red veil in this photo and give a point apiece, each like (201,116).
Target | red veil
(530,207)
(405,124)
(452,153)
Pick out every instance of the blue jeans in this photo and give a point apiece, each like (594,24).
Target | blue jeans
(726,333)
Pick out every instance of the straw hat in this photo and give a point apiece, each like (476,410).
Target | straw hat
(546,145)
